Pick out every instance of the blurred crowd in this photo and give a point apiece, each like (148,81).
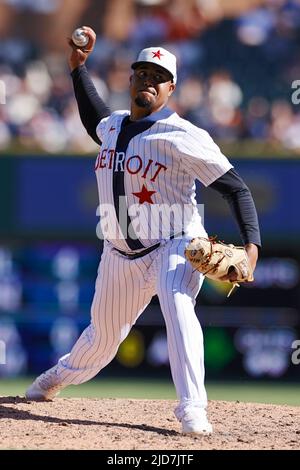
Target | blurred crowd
(237,62)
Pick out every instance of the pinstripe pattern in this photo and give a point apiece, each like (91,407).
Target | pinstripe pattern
(131,285)
(177,288)
(164,158)
(122,292)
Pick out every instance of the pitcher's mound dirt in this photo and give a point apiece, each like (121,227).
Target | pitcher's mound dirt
(117,424)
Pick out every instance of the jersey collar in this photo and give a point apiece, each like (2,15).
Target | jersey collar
(162,114)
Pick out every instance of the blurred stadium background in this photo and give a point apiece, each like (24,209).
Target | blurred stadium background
(238,66)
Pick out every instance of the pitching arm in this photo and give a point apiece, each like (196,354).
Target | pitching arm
(91,107)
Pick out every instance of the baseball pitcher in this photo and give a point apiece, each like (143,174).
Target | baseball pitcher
(146,169)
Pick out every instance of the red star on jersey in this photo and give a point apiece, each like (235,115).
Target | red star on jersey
(144,195)
(157,54)
(112,129)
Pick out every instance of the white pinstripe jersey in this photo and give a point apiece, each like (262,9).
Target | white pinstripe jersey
(153,163)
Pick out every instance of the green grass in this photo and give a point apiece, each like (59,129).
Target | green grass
(280,394)
(162,389)
(103,388)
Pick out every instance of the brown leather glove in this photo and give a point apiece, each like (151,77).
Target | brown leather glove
(216,259)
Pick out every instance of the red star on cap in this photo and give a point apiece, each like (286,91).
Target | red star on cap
(144,195)
(157,54)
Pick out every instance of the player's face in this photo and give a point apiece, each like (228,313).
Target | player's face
(150,87)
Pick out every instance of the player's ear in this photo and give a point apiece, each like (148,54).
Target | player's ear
(172,88)
(130,79)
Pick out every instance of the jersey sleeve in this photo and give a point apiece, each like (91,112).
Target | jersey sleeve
(90,105)
(114,120)
(100,129)
(201,156)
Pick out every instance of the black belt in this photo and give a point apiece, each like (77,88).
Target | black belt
(146,251)
(140,253)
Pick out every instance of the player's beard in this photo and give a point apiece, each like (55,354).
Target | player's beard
(143,102)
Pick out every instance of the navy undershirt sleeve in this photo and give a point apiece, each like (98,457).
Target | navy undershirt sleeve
(91,107)
(234,190)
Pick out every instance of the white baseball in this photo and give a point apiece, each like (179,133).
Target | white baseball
(80,38)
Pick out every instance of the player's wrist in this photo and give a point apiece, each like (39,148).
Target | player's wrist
(74,67)
(251,247)
(252,252)
(77,61)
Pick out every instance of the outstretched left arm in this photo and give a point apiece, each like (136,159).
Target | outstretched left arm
(234,190)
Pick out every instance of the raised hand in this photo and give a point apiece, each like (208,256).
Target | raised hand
(79,55)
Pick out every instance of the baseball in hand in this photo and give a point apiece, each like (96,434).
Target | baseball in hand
(80,38)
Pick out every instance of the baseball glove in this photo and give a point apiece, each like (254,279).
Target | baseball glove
(216,259)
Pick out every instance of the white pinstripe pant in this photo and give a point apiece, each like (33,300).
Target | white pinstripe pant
(123,290)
